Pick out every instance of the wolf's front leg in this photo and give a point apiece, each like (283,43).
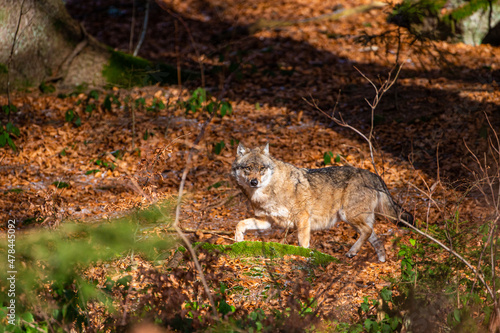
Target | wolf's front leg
(304,229)
(249,224)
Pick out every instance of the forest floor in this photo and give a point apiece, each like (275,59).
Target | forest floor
(425,128)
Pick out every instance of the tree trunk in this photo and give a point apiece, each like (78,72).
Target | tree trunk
(40,42)
(495,320)
(49,45)
(464,21)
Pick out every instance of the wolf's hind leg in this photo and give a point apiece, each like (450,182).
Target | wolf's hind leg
(364,233)
(249,224)
(378,246)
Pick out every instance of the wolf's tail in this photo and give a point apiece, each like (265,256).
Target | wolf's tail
(390,209)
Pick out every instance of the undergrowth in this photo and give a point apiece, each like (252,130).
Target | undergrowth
(110,275)
(435,291)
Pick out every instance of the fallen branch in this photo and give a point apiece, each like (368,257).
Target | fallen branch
(205,231)
(176,228)
(458,256)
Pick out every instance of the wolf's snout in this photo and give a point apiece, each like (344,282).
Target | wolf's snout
(254,182)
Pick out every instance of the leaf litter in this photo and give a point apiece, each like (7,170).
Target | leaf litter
(420,128)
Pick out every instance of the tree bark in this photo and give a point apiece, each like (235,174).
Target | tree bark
(50,45)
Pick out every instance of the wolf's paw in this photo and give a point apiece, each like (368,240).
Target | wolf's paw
(238,237)
(350,254)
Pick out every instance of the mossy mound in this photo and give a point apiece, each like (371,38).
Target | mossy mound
(128,71)
(270,250)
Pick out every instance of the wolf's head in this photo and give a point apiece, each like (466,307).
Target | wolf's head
(252,168)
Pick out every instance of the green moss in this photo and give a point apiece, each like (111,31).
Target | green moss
(47,88)
(270,250)
(125,70)
(3,69)
(128,71)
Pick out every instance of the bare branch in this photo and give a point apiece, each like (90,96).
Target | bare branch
(11,55)
(198,55)
(379,92)
(462,259)
(144,29)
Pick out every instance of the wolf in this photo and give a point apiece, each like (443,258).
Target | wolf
(312,199)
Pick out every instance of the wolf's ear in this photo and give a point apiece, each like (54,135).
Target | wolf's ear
(241,150)
(265,149)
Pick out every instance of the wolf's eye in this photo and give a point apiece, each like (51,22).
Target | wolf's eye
(262,168)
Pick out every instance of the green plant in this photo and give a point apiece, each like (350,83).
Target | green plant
(91,101)
(109,100)
(7,134)
(219,184)
(196,101)
(156,106)
(218,147)
(52,289)
(328,157)
(72,117)
(102,163)
(79,89)
(47,88)
(410,12)
(408,271)
(60,185)
(467,9)
(140,103)
(379,324)
(147,135)
(200,100)
(222,307)
(128,71)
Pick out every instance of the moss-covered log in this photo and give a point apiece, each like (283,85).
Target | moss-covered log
(270,250)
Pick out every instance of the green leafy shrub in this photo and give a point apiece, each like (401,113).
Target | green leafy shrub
(201,101)
(50,287)
(9,132)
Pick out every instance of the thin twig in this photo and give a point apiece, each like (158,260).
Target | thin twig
(198,56)
(181,235)
(132,109)
(132,28)
(379,92)
(62,71)
(462,259)
(177,53)
(11,56)
(144,29)
(480,259)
